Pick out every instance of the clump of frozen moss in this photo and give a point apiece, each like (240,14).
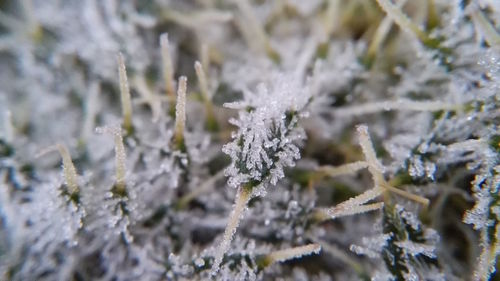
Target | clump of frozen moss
(249,140)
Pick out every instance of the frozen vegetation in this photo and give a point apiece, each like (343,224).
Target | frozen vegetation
(249,140)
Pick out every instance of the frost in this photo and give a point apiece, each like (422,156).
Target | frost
(234,220)
(277,91)
(293,253)
(199,262)
(414,249)
(180,111)
(120,156)
(371,246)
(265,142)
(357,204)
(407,250)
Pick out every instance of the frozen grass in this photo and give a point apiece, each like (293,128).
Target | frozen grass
(258,169)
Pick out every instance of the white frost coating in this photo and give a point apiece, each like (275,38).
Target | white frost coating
(120,155)
(348,210)
(413,249)
(124,93)
(409,217)
(416,168)
(199,262)
(355,205)
(485,185)
(69,170)
(180,109)
(478,216)
(265,141)
(491,63)
(371,246)
(46,222)
(374,166)
(293,253)
(55,71)
(234,220)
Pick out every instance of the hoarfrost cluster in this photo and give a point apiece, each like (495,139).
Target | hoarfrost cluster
(249,140)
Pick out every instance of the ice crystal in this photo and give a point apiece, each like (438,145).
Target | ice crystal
(267,136)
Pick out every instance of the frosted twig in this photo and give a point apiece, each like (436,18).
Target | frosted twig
(125,94)
(342,211)
(374,166)
(69,170)
(404,105)
(355,205)
(244,194)
(336,212)
(120,156)
(180,112)
(292,253)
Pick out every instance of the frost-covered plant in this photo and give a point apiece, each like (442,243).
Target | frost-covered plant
(249,140)
(265,143)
